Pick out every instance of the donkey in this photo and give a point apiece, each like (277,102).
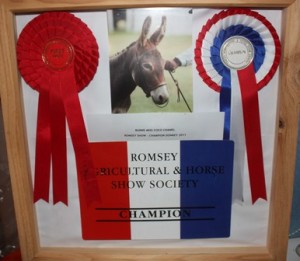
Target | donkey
(140,64)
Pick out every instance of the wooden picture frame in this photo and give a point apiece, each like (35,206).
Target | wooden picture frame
(282,183)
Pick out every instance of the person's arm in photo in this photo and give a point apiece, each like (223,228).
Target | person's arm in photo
(183,59)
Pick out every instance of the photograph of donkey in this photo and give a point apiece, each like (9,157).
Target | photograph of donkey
(140,64)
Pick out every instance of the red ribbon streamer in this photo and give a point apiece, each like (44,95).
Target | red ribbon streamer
(249,93)
(58,56)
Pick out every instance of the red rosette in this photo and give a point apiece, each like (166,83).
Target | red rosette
(58,56)
(46,28)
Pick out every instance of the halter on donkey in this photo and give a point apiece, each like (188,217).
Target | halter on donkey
(140,64)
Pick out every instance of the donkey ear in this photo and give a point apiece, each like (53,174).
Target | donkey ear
(159,34)
(145,30)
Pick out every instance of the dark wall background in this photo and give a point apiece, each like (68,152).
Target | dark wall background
(295,217)
(8,229)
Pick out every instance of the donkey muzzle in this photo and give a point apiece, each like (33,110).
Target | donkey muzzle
(160,95)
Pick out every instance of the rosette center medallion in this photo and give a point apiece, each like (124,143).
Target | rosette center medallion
(58,54)
(237,52)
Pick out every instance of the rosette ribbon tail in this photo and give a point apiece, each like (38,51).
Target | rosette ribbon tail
(85,169)
(51,146)
(225,104)
(58,141)
(57,105)
(43,149)
(249,94)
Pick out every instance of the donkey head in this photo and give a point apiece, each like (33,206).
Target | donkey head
(148,70)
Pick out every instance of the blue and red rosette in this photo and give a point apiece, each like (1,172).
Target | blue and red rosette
(58,56)
(259,32)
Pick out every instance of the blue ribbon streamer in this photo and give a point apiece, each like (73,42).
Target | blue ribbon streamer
(224,72)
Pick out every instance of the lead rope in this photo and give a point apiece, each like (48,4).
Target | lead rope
(179,92)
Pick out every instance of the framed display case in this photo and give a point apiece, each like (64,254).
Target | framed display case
(32,218)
